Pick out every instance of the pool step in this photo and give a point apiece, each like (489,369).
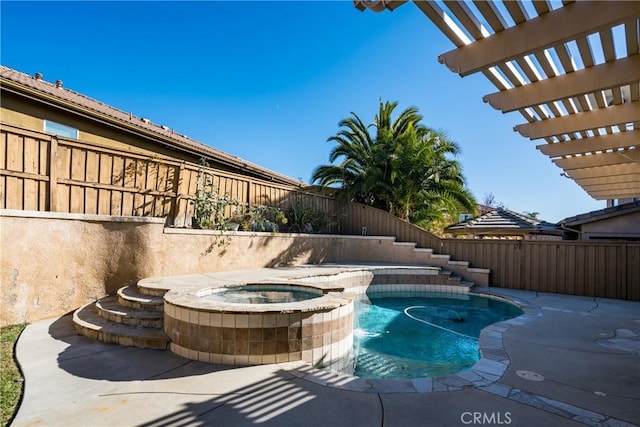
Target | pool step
(110,309)
(378,365)
(130,296)
(412,276)
(92,325)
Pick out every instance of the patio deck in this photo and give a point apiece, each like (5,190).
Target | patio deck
(577,363)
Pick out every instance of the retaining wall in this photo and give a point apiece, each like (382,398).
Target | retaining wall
(52,263)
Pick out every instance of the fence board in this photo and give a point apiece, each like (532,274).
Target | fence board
(140,202)
(104,195)
(15,148)
(30,165)
(552,268)
(91,176)
(64,172)
(78,165)
(160,173)
(3,149)
(129,181)
(3,166)
(40,163)
(117,178)
(632,279)
(41,172)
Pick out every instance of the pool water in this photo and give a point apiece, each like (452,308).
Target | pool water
(404,336)
(260,294)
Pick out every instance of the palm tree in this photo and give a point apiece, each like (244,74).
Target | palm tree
(404,168)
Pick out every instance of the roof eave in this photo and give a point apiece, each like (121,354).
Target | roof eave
(201,150)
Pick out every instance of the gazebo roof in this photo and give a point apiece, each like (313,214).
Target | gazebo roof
(503,222)
(572,69)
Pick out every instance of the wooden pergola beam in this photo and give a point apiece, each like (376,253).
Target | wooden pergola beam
(602,159)
(437,16)
(606,165)
(617,114)
(588,80)
(559,26)
(589,145)
(610,187)
(614,194)
(605,171)
(605,180)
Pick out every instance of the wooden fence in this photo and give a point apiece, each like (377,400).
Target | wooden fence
(46,173)
(364,220)
(602,269)
(42,172)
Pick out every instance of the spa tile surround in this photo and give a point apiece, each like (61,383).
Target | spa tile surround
(318,331)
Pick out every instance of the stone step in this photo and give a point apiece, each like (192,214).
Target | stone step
(110,309)
(91,325)
(129,296)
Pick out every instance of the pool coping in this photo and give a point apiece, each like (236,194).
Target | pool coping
(488,370)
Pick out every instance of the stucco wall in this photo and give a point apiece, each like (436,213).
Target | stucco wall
(52,263)
(623,226)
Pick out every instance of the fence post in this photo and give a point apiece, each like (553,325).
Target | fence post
(53,174)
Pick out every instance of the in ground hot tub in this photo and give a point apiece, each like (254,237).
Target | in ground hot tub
(260,323)
(257,293)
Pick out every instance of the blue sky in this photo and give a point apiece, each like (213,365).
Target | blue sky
(269,82)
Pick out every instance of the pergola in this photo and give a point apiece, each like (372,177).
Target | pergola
(571,68)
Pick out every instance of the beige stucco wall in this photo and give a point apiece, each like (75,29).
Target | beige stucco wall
(619,226)
(20,119)
(52,263)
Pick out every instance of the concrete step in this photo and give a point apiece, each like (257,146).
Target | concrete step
(453,279)
(153,286)
(129,296)
(478,276)
(469,285)
(421,276)
(87,322)
(110,309)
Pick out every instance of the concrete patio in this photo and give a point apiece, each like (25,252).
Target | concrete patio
(576,363)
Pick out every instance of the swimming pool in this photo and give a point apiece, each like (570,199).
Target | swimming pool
(407,335)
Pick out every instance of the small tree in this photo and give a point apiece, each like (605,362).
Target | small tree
(490,201)
(209,205)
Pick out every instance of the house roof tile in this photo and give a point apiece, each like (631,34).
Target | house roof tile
(503,222)
(80,101)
